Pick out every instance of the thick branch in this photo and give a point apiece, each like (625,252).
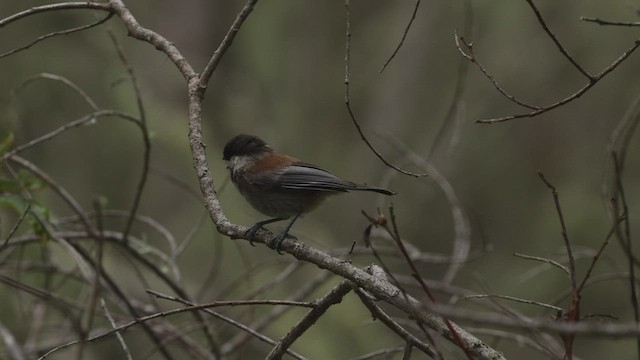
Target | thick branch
(137,31)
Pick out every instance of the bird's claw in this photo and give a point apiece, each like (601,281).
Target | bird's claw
(280,238)
(252,232)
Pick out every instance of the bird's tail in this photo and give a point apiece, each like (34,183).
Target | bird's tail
(363,187)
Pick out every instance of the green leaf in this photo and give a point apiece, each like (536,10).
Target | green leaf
(37,212)
(30,181)
(6,142)
(8,185)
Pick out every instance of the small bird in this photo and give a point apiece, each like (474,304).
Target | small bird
(279,185)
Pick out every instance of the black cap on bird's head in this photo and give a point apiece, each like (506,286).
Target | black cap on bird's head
(244,144)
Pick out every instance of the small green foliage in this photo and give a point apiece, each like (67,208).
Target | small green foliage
(11,197)
(35,212)
(6,142)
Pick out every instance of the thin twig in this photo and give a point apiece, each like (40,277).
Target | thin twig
(395,234)
(613,23)
(470,55)
(87,119)
(56,33)
(143,319)
(321,306)
(378,314)
(347,101)
(565,236)
(236,324)
(226,42)
(236,302)
(596,257)
(572,97)
(123,344)
(15,227)
(449,130)
(512,298)
(146,154)
(462,229)
(560,47)
(404,35)
(277,312)
(81,256)
(548,261)
(423,284)
(538,110)
(94,292)
(63,80)
(54,7)
(627,240)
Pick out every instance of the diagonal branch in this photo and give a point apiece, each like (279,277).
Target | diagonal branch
(560,47)
(404,35)
(321,306)
(226,42)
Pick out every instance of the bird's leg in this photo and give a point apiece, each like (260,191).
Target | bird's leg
(285,232)
(259,225)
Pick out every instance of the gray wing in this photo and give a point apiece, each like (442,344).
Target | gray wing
(303,176)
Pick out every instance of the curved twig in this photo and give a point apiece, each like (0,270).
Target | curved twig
(54,7)
(404,35)
(347,102)
(56,33)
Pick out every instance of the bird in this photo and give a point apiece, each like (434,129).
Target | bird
(281,186)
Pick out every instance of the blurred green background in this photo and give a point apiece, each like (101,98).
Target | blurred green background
(283,80)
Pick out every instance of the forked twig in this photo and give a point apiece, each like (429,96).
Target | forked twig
(538,110)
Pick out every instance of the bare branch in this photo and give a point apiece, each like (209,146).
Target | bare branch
(15,227)
(146,153)
(54,7)
(87,119)
(56,33)
(347,102)
(140,320)
(571,97)
(321,306)
(123,344)
(237,302)
(404,35)
(613,23)
(596,257)
(469,53)
(226,42)
(548,261)
(565,236)
(378,314)
(512,298)
(560,47)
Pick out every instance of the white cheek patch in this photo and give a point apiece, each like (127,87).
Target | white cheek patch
(240,163)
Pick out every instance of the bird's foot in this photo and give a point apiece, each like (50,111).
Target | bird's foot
(252,232)
(280,238)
